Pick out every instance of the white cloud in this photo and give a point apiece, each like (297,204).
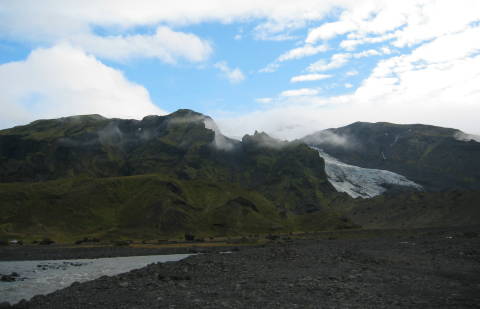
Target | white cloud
(233,75)
(348,85)
(336,61)
(165,44)
(386,50)
(309,77)
(299,92)
(285,121)
(437,83)
(367,53)
(351,44)
(63,81)
(54,20)
(270,68)
(442,69)
(406,22)
(264,100)
(449,47)
(329,30)
(339,60)
(301,52)
(432,19)
(274,32)
(294,54)
(352,73)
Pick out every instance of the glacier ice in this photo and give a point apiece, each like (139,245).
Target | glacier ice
(358,181)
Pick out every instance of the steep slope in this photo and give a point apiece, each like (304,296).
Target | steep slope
(363,182)
(142,207)
(434,157)
(161,175)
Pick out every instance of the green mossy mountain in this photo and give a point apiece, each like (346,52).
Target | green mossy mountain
(164,176)
(144,207)
(159,176)
(436,158)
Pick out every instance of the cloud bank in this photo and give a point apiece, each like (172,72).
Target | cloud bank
(165,44)
(437,83)
(64,81)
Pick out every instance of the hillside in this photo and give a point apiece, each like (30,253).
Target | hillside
(159,176)
(418,210)
(144,207)
(165,176)
(436,158)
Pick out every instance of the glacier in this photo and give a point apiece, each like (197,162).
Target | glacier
(358,181)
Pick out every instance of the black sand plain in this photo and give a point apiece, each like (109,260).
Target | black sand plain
(428,268)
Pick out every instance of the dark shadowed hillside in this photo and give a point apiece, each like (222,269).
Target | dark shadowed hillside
(163,175)
(418,210)
(434,157)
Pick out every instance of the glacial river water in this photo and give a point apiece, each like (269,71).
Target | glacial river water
(43,277)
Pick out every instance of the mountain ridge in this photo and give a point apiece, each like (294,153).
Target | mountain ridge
(434,157)
(164,176)
(258,184)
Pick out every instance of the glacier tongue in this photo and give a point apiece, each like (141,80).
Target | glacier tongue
(361,182)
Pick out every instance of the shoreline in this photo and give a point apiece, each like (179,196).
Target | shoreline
(69,251)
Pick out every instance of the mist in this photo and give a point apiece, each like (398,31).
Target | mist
(330,138)
(461,136)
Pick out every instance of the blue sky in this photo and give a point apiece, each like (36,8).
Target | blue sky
(285,67)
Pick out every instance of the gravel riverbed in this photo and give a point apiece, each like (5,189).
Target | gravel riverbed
(431,270)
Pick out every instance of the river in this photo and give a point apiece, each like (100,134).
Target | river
(47,276)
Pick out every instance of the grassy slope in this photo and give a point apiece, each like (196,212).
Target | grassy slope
(181,184)
(158,177)
(143,207)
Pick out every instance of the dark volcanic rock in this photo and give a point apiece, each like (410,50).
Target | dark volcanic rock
(438,269)
(9,278)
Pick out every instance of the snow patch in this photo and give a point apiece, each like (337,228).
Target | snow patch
(358,181)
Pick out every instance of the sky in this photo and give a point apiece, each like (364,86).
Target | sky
(286,67)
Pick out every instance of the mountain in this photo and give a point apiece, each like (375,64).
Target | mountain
(167,176)
(157,177)
(436,158)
